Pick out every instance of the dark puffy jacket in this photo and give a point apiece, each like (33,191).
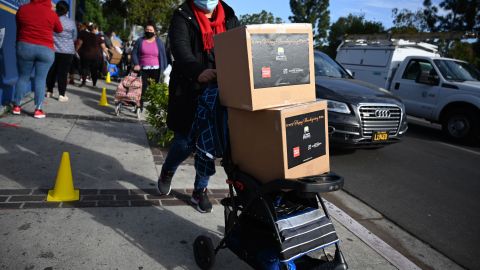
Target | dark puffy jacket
(189,60)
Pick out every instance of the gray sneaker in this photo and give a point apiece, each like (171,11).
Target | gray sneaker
(200,199)
(164,184)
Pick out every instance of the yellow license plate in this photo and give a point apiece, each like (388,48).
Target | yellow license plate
(380,136)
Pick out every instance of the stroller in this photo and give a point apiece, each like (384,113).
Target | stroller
(272,225)
(129,93)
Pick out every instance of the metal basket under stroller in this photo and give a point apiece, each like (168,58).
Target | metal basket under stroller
(275,225)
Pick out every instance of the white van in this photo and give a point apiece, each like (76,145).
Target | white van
(376,62)
(441,90)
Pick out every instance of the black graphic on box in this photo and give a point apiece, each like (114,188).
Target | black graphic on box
(280,60)
(305,137)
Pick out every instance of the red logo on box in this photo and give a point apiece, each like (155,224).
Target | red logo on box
(296,151)
(266,72)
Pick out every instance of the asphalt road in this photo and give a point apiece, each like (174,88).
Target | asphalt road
(427,185)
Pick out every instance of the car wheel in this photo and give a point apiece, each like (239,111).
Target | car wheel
(460,125)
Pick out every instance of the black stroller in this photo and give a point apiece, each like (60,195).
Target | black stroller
(273,225)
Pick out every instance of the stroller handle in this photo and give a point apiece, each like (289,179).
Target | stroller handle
(322,183)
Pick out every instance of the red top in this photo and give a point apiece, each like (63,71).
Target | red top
(36,22)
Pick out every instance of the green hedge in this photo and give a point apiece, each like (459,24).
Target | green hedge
(157,102)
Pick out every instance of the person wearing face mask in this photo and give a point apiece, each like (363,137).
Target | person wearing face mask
(149,57)
(190,36)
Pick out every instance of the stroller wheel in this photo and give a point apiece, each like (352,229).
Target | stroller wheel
(117,109)
(204,252)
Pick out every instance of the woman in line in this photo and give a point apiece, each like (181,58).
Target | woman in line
(64,52)
(36,23)
(149,57)
(89,47)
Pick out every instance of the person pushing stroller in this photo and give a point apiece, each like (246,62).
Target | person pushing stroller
(191,33)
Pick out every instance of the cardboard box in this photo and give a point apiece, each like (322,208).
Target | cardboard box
(115,56)
(287,142)
(265,66)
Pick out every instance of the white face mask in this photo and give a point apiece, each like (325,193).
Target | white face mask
(207,5)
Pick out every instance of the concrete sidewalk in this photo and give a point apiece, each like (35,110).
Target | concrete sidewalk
(120,222)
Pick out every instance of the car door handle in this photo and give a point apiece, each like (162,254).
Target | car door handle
(397,85)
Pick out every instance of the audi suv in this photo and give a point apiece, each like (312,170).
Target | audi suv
(359,114)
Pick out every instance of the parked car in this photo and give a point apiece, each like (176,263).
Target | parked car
(359,114)
(440,90)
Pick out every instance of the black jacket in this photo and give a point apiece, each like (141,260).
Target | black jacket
(189,60)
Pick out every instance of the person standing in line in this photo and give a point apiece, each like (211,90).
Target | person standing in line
(75,66)
(64,52)
(89,47)
(149,57)
(190,35)
(36,22)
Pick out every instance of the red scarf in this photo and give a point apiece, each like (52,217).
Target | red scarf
(207,27)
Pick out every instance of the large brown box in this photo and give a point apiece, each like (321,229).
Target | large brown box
(116,57)
(265,66)
(286,142)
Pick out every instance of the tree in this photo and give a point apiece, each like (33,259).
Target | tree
(463,51)
(463,15)
(259,18)
(315,12)
(142,11)
(459,15)
(430,15)
(351,24)
(93,13)
(115,14)
(405,20)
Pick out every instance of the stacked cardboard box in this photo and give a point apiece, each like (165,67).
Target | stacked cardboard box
(266,79)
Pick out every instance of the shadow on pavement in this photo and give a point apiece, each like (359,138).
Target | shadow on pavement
(33,159)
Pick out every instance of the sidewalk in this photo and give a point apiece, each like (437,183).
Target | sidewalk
(120,222)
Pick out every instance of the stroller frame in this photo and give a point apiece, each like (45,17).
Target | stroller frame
(247,194)
(128,102)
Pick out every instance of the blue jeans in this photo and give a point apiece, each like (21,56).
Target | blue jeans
(31,56)
(180,150)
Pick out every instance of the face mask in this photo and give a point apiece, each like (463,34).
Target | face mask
(149,34)
(207,5)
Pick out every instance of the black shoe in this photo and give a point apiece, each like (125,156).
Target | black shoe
(200,199)
(164,184)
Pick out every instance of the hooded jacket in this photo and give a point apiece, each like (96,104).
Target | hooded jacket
(186,45)
(36,23)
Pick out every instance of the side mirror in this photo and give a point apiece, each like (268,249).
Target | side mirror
(349,72)
(427,78)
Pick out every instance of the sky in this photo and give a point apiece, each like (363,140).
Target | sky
(376,10)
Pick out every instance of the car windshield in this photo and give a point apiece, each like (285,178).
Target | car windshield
(457,71)
(325,66)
